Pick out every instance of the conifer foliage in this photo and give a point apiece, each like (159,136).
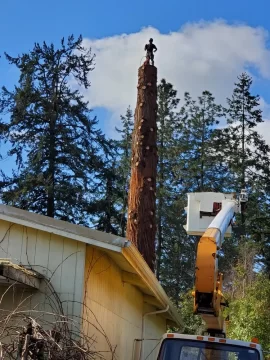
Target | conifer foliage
(202,169)
(246,152)
(52,134)
(166,118)
(124,162)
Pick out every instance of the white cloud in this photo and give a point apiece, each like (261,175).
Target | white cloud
(264,130)
(265,108)
(264,127)
(197,57)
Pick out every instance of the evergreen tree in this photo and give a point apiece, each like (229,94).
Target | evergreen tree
(178,252)
(107,205)
(248,294)
(202,167)
(123,167)
(57,146)
(259,224)
(247,157)
(166,118)
(175,250)
(246,152)
(187,162)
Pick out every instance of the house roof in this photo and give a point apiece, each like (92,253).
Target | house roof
(62,228)
(123,252)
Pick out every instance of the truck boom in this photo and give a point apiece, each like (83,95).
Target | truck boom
(208,298)
(209,215)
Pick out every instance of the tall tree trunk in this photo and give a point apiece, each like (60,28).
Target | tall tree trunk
(243,182)
(51,184)
(108,216)
(160,202)
(202,156)
(125,200)
(141,227)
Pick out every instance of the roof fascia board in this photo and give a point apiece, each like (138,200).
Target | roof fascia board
(53,230)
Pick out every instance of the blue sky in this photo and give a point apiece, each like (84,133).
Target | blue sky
(199,60)
(23,22)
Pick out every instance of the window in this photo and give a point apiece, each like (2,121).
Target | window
(181,349)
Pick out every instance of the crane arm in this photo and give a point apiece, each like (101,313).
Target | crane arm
(208,299)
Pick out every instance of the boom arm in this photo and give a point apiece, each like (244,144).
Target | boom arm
(208,299)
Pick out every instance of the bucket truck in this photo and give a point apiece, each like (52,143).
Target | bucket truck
(210,215)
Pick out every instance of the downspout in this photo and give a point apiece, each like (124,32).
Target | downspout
(143,327)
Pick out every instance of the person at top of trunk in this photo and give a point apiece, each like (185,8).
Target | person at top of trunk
(150,49)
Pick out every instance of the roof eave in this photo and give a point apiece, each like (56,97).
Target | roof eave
(135,259)
(62,228)
(95,238)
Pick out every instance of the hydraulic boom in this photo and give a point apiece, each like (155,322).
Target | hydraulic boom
(209,215)
(208,299)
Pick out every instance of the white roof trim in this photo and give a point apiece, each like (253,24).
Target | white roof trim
(63,228)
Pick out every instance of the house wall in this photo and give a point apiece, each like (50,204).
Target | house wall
(78,272)
(155,327)
(114,310)
(59,259)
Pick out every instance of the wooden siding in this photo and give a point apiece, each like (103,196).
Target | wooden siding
(114,310)
(59,259)
(155,327)
(79,272)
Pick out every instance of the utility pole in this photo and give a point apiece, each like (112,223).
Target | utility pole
(141,224)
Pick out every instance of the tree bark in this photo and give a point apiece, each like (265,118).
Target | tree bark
(51,190)
(243,180)
(141,226)
(160,202)
(52,155)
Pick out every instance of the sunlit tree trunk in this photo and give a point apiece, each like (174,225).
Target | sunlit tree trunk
(141,226)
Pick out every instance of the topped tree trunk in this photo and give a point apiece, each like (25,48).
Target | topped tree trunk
(141,227)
